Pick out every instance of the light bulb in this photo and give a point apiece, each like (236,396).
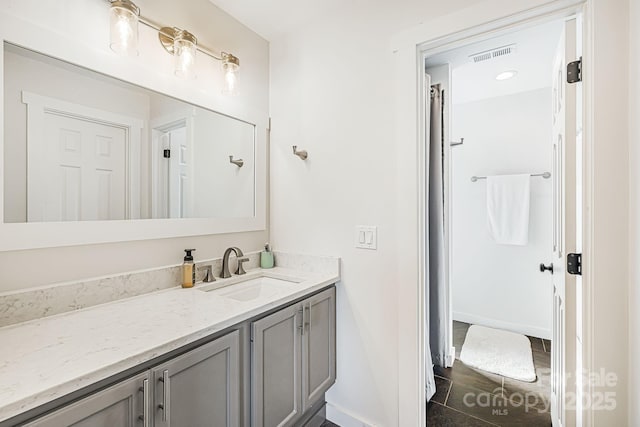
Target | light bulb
(230,66)
(184,51)
(123,20)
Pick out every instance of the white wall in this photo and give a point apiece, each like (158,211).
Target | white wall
(634,212)
(332,95)
(500,285)
(85,23)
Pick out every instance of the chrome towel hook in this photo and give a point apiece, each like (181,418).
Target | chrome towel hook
(302,153)
(237,162)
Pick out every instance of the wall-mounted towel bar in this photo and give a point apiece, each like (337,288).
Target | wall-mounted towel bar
(545,175)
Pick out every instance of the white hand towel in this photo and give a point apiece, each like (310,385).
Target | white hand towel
(508,199)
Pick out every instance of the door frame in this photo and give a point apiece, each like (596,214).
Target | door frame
(411,371)
(158,126)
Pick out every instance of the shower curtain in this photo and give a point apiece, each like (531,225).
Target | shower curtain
(436,285)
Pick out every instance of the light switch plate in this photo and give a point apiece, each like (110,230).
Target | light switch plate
(366,237)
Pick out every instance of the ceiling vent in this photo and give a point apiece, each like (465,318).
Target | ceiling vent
(498,52)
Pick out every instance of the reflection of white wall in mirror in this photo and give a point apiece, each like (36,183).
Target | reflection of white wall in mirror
(28,74)
(221,188)
(216,188)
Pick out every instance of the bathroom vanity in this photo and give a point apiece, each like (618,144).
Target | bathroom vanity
(252,350)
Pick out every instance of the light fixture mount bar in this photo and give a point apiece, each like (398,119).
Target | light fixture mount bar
(168,34)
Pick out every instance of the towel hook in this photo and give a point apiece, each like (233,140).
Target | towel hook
(302,153)
(237,162)
(454,143)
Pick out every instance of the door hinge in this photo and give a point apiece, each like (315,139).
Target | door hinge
(574,264)
(167,154)
(574,71)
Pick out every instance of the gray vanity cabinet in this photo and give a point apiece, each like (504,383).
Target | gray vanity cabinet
(198,388)
(120,405)
(201,387)
(276,361)
(292,360)
(318,346)
(292,363)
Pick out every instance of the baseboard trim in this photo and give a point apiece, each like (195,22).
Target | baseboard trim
(499,324)
(344,418)
(451,357)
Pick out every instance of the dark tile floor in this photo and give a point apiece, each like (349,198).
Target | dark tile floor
(329,424)
(469,397)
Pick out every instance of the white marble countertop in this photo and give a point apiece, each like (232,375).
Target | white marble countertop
(44,359)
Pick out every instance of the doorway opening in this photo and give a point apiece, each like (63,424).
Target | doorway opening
(503,129)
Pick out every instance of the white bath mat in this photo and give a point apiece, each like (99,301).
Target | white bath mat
(499,352)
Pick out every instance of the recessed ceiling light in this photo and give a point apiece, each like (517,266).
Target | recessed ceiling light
(506,75)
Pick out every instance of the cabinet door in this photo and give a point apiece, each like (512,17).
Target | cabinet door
(120,405)
(318,346)
(200,388)
(275,368)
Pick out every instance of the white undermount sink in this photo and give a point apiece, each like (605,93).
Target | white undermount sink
(259,287)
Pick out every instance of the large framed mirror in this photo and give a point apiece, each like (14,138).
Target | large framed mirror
(91,158)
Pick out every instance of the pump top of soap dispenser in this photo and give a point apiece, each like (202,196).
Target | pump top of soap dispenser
(188,256)
(267,248)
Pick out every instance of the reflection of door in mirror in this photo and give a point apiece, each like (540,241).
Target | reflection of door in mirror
(172,191)
(82,176)
(77,159)
(179,188)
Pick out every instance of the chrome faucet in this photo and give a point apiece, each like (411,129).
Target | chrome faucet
(225,262)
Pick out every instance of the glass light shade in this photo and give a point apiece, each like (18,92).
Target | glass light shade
(123,20)
(230,68)
(184,51)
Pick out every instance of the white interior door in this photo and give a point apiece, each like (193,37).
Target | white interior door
(82,174)
(565,213)
(179,173)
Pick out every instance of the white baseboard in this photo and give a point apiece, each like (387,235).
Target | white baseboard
(451,357)
(344,418)
(532,331)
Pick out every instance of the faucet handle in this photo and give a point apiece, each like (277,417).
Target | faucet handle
(240,269)
(208,275)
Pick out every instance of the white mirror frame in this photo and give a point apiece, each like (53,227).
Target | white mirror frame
(98,57)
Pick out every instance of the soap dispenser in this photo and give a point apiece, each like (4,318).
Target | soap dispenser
(266,257)
(188,270)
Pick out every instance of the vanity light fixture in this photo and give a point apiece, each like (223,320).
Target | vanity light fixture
(123,21)
(230,65)
(183,45)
